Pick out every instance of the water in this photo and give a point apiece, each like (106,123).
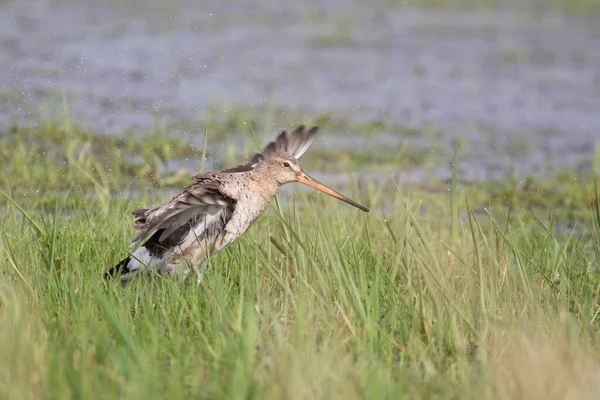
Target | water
(505,81)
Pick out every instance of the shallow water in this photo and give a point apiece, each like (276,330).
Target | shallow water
(522,88)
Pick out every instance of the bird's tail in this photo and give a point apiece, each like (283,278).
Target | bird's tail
(118,270)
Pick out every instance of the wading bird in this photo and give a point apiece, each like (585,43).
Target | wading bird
(213,212)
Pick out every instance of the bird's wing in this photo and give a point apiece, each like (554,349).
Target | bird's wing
(244,167)
(198,203)
(295,143)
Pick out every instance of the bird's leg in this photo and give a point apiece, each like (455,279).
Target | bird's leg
(199,270)
(179,269)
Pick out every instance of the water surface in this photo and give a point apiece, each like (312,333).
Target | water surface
(522,88)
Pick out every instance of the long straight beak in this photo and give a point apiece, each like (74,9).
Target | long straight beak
(313,183)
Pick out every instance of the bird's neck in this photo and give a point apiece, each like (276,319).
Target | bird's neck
(265,185)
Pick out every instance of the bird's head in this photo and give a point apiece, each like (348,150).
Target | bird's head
(282,167)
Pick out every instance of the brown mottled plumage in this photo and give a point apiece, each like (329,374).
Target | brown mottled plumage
(213,212)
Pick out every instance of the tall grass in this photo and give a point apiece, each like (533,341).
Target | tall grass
(436,300)
(430,295)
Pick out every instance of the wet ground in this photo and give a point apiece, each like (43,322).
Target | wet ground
(521,88)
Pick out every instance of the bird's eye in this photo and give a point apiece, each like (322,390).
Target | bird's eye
(286,164)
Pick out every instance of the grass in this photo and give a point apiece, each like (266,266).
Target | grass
(473,292)
(59,156)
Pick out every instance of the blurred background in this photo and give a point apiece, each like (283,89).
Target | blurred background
(514,84)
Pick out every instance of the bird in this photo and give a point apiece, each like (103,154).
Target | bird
(210,214)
